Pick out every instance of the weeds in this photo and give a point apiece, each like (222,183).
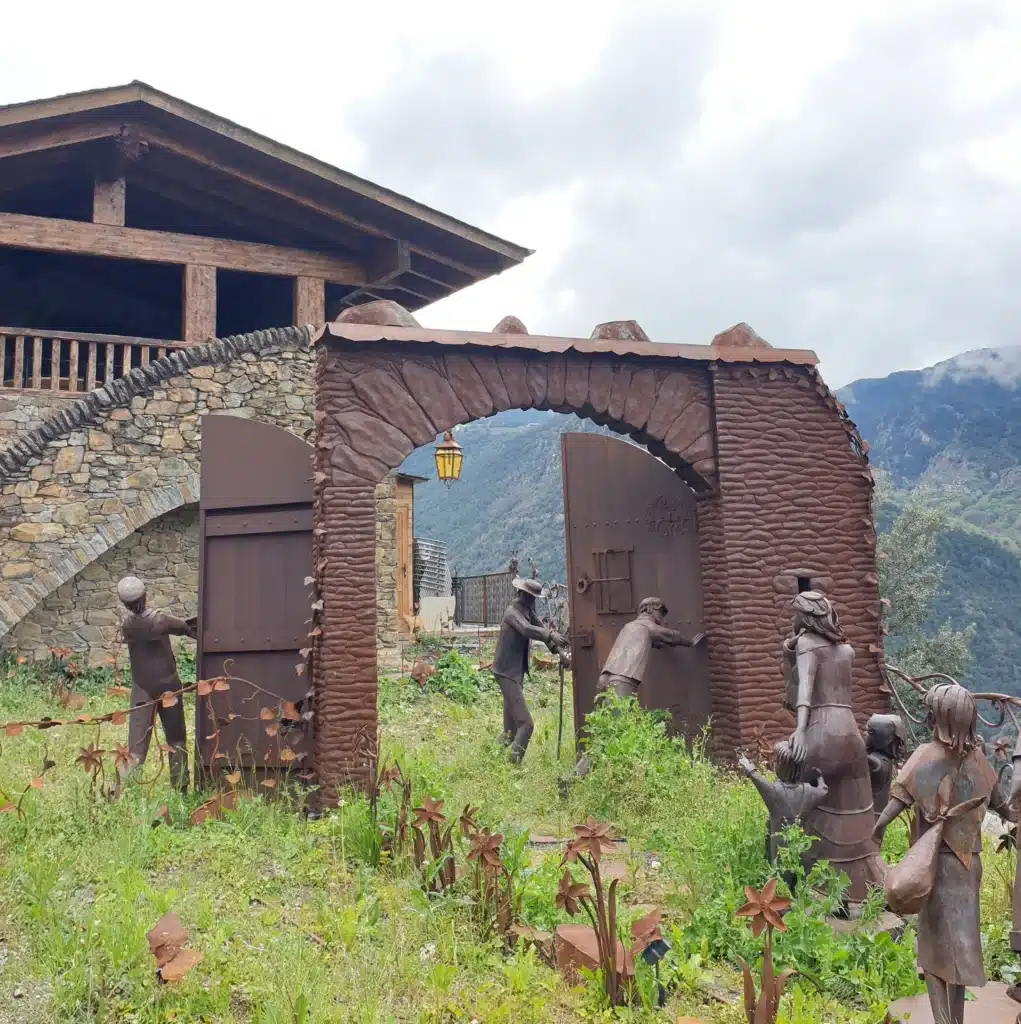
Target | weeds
(328,920)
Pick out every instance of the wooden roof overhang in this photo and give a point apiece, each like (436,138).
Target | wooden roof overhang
(259,190)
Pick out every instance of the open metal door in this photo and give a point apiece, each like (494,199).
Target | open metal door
(255,520)
(632,533)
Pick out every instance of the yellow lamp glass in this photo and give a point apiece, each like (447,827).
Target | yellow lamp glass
(449,456)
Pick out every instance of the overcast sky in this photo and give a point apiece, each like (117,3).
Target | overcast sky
(842,176)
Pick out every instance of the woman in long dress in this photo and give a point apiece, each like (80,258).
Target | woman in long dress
(949,770)
(818,662)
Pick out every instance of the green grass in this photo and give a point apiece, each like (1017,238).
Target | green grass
(290,913)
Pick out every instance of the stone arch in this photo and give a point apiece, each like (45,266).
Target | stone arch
(128,453)
(744,424)
(378,400)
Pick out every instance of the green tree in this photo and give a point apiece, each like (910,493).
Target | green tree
(910,580)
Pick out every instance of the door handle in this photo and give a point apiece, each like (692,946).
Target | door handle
(584,581)
(587,638)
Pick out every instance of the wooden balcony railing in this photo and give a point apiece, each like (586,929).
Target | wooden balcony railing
(62,363)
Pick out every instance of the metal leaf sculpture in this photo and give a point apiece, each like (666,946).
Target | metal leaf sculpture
(167,940)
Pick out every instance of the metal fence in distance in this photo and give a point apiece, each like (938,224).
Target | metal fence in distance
(482,600)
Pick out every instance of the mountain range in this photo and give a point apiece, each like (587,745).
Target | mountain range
(952,430)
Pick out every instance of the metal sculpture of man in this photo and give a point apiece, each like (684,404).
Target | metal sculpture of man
(818,662)
(510,662)
(625,667)
(147,634)
(950,784)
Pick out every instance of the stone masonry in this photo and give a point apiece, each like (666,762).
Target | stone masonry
(120,494)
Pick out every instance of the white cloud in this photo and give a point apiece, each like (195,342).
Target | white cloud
(844,176)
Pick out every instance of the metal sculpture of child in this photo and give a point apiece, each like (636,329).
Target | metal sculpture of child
(510,662)
(789,799)
(949,771)
(147,634)
(886,743)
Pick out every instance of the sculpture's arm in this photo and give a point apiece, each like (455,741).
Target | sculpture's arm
(892,810)
(1001,804)
(174,626)
(528,625)
(806,666)
(664,636)
(816,794)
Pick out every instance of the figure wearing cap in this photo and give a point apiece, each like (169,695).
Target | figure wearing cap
(629,657)
(147,633)
(510,662)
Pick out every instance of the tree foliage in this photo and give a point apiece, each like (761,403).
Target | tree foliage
(910,582)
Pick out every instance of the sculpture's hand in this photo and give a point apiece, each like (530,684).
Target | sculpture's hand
(799,746)
(1015,783)
(696,640)
(746,766)
(820,785)
(877,834)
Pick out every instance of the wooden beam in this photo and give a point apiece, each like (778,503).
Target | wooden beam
(309,300)
(32,138)
(232,213)
(51,235)
(387,261)
(108,202)
(199,304)
(173,176)
(163,141)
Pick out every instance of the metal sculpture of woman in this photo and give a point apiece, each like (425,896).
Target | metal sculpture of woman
(818,662)
(949,772)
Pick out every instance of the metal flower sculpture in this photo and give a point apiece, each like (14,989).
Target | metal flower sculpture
(570,893)
(763,909)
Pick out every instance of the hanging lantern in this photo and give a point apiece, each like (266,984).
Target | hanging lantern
(449,456)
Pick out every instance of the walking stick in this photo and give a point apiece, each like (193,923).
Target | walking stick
(560,723)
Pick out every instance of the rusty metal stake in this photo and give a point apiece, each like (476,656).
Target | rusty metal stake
(560,723)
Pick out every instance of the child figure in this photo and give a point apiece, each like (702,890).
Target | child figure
(886,743)
(788,799)
(948,771)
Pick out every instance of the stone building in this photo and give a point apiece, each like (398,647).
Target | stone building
(134,230)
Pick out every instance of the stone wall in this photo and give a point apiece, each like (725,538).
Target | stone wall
(83,615)
(23,411)
(795,493)
(97,487)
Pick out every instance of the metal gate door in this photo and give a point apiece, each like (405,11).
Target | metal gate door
(255,520)
(631,533)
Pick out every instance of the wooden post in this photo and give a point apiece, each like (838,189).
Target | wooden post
(37,363)
(55,346)
(90,367)
(19,361)
(309,301)
(72,366)
(108,202)
(199,316)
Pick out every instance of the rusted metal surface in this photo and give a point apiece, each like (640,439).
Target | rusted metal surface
(482,600)
(738,353)
(256,553)
(631,533)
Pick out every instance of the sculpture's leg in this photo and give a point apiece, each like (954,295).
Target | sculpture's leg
(940,1001)
(957,1004)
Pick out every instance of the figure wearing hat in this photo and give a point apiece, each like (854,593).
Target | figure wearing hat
(629,657)
(510,662)
(147,633)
